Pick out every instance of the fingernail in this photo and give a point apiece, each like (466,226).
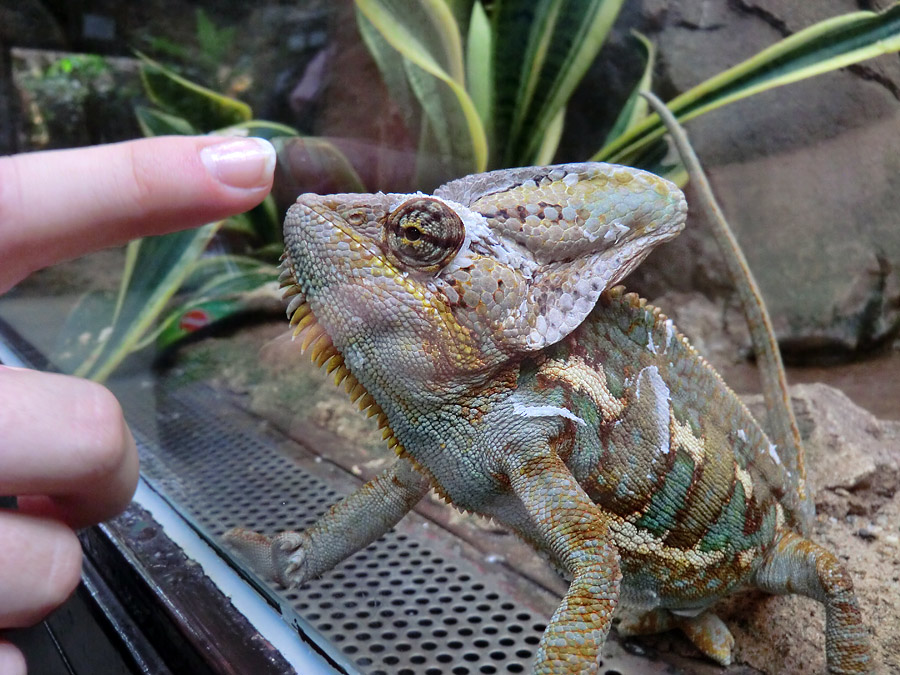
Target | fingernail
(245,163)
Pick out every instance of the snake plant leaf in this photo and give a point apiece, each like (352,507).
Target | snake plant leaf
(84,331)
(154,270)
(211,267)
(393,72)
(636,107)
(424,32)
(820,48)
(440,153)
(155,122)
(426,35)
(203,108)
(541,51)
(462,11)
(313,164)
(479,51)
(550,141)
(262,221)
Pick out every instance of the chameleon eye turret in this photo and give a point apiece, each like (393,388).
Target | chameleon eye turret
(424,234)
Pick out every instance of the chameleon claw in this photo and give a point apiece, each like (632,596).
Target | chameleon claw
(288,541)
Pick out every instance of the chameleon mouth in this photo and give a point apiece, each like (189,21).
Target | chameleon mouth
(315,341)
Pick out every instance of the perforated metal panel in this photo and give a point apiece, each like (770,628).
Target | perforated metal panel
(406,605)
(397,607)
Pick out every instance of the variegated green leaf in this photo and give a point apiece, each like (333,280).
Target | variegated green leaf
(479,51)
(154,270)
(203,108)
(541,51)
(823,47)
(426,35)
(157,123)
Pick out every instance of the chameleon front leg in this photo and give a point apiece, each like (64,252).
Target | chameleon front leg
(573,529)
(797,565)
(291,558)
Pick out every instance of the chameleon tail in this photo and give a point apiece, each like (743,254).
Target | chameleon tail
(782,422)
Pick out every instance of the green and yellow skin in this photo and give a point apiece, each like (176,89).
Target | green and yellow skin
(484,328)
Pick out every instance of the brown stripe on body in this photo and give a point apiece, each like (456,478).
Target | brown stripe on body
(712,487)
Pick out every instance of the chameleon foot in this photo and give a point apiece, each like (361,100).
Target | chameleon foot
(706,631)
(278,558)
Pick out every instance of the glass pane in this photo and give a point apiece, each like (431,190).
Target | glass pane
(237,427)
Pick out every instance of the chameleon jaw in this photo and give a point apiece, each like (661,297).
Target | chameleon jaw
(315,341)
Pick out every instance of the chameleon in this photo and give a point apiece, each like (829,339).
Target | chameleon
(485,327)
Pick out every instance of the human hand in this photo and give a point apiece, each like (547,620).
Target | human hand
(65,449)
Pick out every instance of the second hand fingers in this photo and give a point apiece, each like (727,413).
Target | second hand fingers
(66,442)
(40,566)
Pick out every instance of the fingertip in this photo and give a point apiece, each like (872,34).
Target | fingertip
(40,568)
(12,661)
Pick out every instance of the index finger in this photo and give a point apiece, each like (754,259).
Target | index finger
(60,204)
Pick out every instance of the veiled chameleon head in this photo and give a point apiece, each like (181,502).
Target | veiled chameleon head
(424,289)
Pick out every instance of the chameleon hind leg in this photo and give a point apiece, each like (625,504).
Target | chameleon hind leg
(797,565)
(706,631)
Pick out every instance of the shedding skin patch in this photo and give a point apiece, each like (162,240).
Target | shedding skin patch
(545,411)
(585,380)
(654,386)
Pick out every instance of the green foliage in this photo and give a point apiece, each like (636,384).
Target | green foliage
(490,81)
(62,97)
(820,48)
(487,83)
(101,332)
(212,58)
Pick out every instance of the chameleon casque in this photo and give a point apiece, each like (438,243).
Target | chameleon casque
(483,327)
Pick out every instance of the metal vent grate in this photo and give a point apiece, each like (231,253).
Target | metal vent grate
(399,607)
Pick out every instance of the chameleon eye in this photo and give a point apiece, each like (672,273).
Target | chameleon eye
(424,234)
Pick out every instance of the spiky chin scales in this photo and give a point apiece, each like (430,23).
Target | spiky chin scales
(315,341)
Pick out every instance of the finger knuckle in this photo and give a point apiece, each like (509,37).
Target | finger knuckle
(141,178)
